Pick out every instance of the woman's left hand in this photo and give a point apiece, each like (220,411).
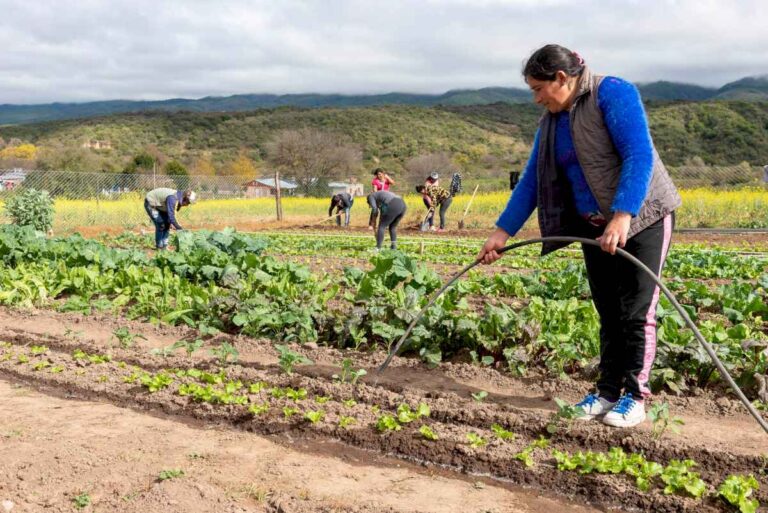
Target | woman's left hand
(615,233)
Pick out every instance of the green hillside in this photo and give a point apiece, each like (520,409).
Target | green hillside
(663,90)
(393,134)
(490,137)
(720,132)
(749,89)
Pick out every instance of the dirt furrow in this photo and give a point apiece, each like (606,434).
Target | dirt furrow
(451,416)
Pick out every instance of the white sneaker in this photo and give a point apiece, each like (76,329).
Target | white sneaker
(627,413)
(594,406)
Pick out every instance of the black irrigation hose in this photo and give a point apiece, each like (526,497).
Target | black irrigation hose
(621,252)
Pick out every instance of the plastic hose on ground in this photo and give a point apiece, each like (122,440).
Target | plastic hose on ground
(707,347)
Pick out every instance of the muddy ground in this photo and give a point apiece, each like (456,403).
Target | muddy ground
(70,426)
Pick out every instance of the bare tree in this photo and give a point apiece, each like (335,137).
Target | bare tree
(418,168)
(312,157)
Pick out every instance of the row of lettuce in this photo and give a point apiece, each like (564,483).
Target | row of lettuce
(224,281)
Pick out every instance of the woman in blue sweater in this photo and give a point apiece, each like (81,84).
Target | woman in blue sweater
(593,172)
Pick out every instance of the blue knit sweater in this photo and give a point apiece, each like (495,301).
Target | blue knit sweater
(627,124)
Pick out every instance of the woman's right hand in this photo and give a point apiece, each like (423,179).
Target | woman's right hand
(488,253)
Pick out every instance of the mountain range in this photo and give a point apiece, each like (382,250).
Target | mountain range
(748,88)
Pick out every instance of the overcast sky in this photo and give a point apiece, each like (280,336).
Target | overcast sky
(62,50)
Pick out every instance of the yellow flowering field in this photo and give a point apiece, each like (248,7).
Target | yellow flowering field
(702,208)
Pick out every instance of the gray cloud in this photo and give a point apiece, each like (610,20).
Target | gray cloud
(95,50)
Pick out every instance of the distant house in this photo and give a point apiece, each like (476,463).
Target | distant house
(262,187)
(96,144)
(12,178)
(353,187)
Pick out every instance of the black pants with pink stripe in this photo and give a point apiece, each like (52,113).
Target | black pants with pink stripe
(626,299)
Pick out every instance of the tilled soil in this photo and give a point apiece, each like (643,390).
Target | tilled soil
(717,434)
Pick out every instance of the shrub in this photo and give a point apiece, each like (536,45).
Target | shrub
(31,208)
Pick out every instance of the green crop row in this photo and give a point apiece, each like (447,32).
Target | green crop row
(222,281)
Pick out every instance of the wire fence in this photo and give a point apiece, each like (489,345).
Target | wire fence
(724,197)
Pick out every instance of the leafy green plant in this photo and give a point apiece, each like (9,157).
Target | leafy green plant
(31,207)
(41,365)
(349,403)
(679,478)
(296,394)
(428,433)
(225,353)
(258,409)
(157,381)
(736,491)
(288,412)
(501,433)
(189,348)
(256,388)
(476,440)
(387,423)
(81,500)
(484,361)
(81,355)
(322,399)
(314,416)
(38,350)
(170,474)
(348,374)
(125,338)
(662,420)
(566,412)
(406,415)
(287,359)
(526,455)
(480,396)
(346,421)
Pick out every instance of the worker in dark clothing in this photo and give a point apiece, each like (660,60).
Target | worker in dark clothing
(161,205)
(342,202)
(390,208)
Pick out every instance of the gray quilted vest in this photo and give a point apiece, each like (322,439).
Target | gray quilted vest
(601,164)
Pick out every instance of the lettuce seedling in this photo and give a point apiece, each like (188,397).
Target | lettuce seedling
(678,477)
(256,388)
(314,416)
(170,474)
(258,409)
(406,415)
(388,423)
(427,433)
(736,490)
(501,433)
(296,395)
(476,440)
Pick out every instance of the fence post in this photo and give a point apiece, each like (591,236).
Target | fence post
(278,203)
